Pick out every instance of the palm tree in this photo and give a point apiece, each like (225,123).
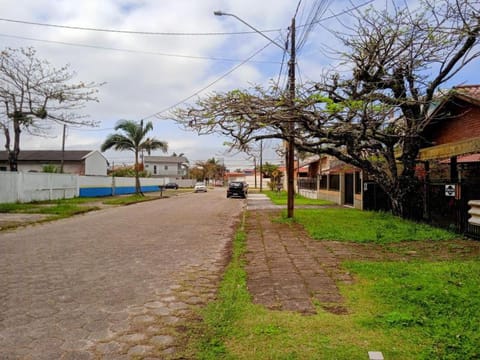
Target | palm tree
(133,139)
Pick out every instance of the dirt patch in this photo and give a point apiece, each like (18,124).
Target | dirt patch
(288,270)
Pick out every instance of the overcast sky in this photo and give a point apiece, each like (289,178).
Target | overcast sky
(148,74)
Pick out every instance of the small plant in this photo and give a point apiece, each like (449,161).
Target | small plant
(50,168)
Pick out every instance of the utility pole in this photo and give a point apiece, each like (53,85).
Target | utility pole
(261,165)
(290,154)
(63,148)
(255,170)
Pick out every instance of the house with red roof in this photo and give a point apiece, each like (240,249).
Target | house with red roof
(449,160)
(327,178)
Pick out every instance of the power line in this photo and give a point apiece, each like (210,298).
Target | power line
(312,19)
(157,114)
(154,33)
(135,51)
(89,130)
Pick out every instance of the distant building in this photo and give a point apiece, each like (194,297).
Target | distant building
(166,166)
(80,162)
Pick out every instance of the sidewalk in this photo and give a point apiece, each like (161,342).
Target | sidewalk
(286,269)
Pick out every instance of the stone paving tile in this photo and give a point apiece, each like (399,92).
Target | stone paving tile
(111,284)
(286,270)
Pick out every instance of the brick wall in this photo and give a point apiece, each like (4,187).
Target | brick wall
(465,126)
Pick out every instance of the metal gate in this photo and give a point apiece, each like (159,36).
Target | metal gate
(374,198)
(446,205)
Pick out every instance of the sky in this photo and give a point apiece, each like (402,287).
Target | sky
(192,53)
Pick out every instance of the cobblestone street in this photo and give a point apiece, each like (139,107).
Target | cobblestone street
(115,283)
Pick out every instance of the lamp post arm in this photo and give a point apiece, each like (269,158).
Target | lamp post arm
(221,13)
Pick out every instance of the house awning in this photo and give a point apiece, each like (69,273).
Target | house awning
(462,147)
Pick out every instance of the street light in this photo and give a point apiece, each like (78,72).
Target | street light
(221,13)
(290,153)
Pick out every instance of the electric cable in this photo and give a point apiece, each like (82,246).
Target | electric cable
(136,51)
(154,33)
(157,114)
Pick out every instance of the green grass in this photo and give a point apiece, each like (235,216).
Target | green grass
(57,209)
(56,206)
(128,199)
(280,198)
(439,302)
(405,310)
(344,224)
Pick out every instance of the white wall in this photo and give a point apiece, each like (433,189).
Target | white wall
(95,164)
(28,187)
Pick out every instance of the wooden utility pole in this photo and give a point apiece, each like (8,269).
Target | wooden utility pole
(290,154)
(63,148)
(261,165)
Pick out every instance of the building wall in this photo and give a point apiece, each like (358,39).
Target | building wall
(466,126)
(95,164)
(336,196)
(163,169)
(68,167)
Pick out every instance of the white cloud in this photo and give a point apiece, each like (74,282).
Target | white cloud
(139,84)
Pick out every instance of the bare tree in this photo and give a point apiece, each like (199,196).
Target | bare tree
(371,116)
(33,94)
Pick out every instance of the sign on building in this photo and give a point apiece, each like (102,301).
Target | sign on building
(450,190)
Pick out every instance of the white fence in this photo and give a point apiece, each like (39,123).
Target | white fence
(27,187)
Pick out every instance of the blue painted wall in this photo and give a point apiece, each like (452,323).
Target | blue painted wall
(108,191)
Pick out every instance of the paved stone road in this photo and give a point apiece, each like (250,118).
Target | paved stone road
(286,269)
(111,284)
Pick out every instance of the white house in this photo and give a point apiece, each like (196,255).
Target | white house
(166,166)
(80,162)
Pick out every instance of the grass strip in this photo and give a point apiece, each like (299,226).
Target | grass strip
(342,224)
(60,209)
(439,301)
(235,328)
(221,315)
(280,198)
(129,199)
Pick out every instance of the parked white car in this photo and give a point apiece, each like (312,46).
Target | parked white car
(200,187)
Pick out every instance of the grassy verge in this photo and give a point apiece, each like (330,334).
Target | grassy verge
(128,199)
(233,301)
(417,310)
(344,224)
(57,209)
(437,301)
(280,198)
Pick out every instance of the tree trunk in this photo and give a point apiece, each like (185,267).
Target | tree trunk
(13,154)
(406,198)
(12,160)
(138,188)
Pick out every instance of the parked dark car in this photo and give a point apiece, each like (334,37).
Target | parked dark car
(237,189)
(171,186)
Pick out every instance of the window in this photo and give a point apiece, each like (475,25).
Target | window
(335,182)
(323,182)
(3,168)
(166,167)
(154,169)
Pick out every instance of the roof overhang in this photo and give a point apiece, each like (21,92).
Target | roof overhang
(462,147)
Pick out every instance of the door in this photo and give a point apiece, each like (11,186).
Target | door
(349,189)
